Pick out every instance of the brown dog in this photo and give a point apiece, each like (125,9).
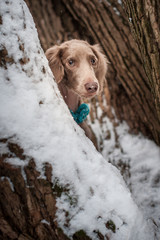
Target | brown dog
(79,71)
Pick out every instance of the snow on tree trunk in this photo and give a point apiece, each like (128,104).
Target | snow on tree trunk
(52,177)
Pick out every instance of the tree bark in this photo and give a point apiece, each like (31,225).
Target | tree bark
(128,89)
(26,200)
(145,26)
(24,206)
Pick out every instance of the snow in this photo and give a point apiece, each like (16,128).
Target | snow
(116,11)
(140,157)
(34,115)
(45,221)
(120,2)
(9,180)
(144,158)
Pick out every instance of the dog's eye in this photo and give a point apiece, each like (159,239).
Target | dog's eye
(93,61)
(71,62)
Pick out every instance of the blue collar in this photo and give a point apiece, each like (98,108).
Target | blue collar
(81,113)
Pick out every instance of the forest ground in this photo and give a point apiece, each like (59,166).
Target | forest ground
(138,160)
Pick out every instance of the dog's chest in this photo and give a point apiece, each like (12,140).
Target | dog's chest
(71,99)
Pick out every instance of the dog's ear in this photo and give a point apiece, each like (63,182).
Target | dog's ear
(102,65)
(53,55)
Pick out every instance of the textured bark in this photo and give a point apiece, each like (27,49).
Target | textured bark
(24,206)
(145,25)
(129,90)
(26,200)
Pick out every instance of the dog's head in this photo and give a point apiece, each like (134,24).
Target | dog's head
(80,66)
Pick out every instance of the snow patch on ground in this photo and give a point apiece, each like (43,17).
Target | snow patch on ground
(138,159)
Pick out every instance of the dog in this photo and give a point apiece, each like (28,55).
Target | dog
(79,70)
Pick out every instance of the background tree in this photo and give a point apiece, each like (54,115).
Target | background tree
(131,91)
(145,26)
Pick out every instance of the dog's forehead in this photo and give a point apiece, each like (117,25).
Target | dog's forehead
(76,49)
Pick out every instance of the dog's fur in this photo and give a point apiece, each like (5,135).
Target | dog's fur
(79,71)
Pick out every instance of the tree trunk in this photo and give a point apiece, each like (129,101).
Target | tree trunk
(23,206)
(145,26)
(27,201)
(128,89)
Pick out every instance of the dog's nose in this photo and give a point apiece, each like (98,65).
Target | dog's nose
(91,87)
